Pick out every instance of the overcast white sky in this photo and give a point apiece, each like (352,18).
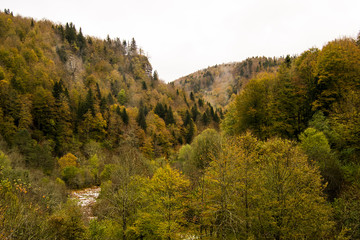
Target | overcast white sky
(183,36)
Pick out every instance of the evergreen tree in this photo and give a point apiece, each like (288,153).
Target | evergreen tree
(205,118)
(169,118)
(141,118)
(187,118)
(80,40)
(103,105)
(194,112)
(201,102)
(159,110)
(192,98)
(98,92)
(144,86)
(190,133)
(89,102)
(125,117)
(70,33)
(133,47)
(57,90)
(118,111)
(155,76)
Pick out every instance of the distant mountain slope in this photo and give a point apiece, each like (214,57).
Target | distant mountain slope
(218,83)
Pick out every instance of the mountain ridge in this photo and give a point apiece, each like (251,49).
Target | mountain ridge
(219,83)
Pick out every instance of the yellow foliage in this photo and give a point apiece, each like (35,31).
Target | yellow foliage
(67,160)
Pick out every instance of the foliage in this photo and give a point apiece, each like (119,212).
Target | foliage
(347,211)
(67,160)
(79,111)
(165,201)
(263,193)
(67,223)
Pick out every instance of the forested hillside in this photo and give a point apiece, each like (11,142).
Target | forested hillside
(62,89)
(280,161)
(219,83)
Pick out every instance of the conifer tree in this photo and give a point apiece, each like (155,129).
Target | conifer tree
(190,133)
(169,118)
(124,116)
(141,118)
(194,112)
(192,98)
(80,40)
(187,118)
(155,76)
(89,102)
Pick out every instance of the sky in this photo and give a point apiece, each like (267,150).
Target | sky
(183,36)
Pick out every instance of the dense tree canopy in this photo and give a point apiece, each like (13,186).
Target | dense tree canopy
(78,111)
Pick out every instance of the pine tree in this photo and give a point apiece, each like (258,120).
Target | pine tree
(192,98)
(57,90)
(80,40)
(141,118)
(124,116)
(194,112)
(70,33)
(155,76)
(169,118)
(133,47)
(89,102)
(200,102)
(144,86)
(190,133)
(205,118)
(187,118)
(98,92)
(159,110)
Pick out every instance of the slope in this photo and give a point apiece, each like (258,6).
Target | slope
(218,83)
(62,89)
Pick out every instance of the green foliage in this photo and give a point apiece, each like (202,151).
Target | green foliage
(67,223)
(190,131)
(71,176)
(141,119)
(315,144)
(165,113)
(119,197)
(206,146)
(263,192)
(124,116)
(93,127)
(338,67)
(25,202)
(165,201)
(347,211)
(251,108)
(184,156)
(105,229)
(60,92)
(122,98)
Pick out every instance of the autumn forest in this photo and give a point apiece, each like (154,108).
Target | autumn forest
(266,148)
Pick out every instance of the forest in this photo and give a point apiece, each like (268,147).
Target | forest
(275,155)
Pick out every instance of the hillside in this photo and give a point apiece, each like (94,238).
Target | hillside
(58,85)
(78,112)
(218,83)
